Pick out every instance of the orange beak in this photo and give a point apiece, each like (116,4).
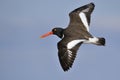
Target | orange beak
(47,34)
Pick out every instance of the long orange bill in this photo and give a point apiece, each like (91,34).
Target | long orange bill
(47,34)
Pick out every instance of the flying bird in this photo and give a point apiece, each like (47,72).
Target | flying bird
(74,35)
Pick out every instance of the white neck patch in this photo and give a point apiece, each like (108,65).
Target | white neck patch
(84,20)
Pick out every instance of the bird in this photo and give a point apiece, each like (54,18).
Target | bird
(76,34)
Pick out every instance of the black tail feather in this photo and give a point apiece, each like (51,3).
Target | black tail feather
(101,41)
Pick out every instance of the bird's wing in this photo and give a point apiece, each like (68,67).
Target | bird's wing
(67,52)
(82,15)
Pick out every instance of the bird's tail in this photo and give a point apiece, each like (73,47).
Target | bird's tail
(97,40)
(101,41)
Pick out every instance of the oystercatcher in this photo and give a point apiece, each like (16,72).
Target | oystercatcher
(74,35)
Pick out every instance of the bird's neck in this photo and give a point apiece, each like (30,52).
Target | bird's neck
(61,34)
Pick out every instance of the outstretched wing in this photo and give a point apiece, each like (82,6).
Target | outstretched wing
(67,56)
(82,15)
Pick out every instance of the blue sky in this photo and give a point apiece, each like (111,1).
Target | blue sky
(24,56)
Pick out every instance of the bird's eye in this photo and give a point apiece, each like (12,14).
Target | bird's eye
(55,30)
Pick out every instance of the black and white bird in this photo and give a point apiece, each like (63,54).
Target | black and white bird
(74,35)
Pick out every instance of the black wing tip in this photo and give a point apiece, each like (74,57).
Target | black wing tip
(91,4)
(67,65)
(66,69)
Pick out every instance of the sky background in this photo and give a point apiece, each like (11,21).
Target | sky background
(24,56)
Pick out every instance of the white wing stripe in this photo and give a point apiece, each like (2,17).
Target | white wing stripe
(73,43)
(84,20)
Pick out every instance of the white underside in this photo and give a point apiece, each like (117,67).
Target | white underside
(84,20)
(73,43)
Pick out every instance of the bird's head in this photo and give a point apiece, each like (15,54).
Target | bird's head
(55,31)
